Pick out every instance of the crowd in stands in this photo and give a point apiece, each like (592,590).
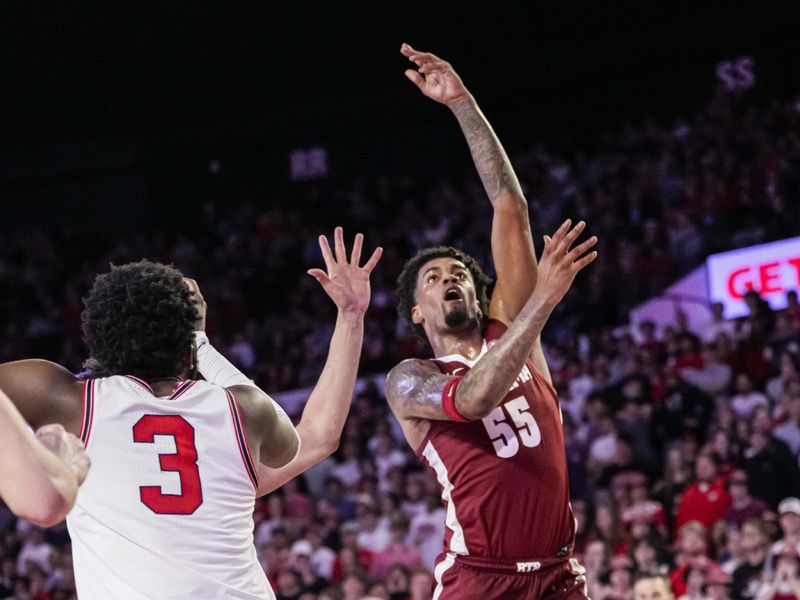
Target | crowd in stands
(682,445)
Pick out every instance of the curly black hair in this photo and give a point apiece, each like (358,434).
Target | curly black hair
(138,319)
(407,282)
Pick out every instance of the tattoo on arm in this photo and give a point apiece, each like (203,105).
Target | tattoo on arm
(490,159)
(414,389)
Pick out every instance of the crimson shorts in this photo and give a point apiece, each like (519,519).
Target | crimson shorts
(471,578)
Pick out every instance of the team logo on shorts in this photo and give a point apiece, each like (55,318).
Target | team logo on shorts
(527,567)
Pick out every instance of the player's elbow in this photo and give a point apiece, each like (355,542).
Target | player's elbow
(43,509)
(474,410)
(511,203)
(328,447)
(283,451)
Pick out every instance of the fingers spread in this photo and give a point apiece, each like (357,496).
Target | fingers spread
(558,236)
(582,248)
(573,234)
(338,241)
(355,255)
(327,255)
(319,275)
(580,264)
(373,260)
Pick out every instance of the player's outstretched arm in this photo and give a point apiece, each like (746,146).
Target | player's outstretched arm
(327,407)
(326,410)
(416,389)
(512,244)
(39,475)
(43,392)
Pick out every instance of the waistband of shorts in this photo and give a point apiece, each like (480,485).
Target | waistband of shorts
(511,565)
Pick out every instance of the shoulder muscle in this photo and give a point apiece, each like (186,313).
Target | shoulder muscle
(43,392)
(414,390)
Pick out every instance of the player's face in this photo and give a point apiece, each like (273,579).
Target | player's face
(446,297)
(652,589)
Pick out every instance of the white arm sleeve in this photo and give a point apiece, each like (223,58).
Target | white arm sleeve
(220,371)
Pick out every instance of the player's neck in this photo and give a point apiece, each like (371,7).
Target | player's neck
(468,343)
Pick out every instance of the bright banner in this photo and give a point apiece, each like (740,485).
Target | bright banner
(770,269)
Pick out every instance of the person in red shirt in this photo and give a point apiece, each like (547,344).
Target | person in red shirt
(706,500)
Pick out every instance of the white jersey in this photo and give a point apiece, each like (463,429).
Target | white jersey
(166,512)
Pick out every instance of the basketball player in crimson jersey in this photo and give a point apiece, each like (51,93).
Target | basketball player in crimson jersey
(483,413)
(166,510)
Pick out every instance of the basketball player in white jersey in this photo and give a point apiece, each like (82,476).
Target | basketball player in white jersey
(39,476)
(166,511)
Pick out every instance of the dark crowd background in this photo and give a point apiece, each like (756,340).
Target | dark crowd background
(226,149)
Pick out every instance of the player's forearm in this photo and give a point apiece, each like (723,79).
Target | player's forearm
(329,403)
(491,161)
(326,410)
(34,483)
(486,385)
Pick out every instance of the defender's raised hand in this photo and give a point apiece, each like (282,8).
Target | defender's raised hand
(199,303)
(559,264)
(345,282)
(435,77)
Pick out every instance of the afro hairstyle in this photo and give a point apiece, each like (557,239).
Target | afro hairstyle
(138,319)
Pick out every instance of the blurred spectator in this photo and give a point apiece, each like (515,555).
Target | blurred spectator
(747,398)
(718,585)
(398,552)
(706,500)
(784,583)
(692,551)
(373,534)
(427,530)
(747,577)
(789,431)
(771,469)
(789,518)
(743,505)
(652,587)
(421,584)
(718,324)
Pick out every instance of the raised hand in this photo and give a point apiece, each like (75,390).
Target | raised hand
(199,303)
(559,264)
(67,447)
(344,281)
(435,77)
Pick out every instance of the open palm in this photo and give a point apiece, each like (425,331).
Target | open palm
(344,281)
(434,77)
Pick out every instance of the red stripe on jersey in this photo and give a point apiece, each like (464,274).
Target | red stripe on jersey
(84,411)
(241,439)
(88,409)
(182,389)
(141,382)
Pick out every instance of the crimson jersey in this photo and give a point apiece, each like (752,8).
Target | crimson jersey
(504,479)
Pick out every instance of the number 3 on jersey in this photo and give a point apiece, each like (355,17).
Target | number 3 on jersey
(506,438)
(183,461)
